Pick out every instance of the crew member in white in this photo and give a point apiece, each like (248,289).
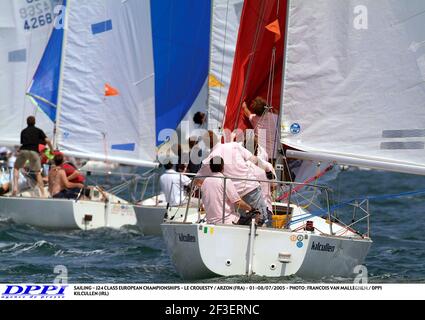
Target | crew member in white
(173,185)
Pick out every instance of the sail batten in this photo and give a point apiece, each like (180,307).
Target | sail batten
(354,82)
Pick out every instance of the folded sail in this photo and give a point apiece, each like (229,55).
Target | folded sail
(354,85)
(24,32)
(108,43)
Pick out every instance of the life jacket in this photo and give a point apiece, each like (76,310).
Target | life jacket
(45,154)
(69,169)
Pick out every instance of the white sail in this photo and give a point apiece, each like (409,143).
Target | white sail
(354,87)
(108,42)
(24,32)
(225,28)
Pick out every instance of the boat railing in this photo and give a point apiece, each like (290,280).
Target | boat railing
(153,178)
(285,191)
(360,214)
(144,185)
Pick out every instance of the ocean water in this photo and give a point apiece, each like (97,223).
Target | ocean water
(29,255)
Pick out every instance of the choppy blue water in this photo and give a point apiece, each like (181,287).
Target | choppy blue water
(29,255)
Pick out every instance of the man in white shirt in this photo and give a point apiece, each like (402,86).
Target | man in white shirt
(173,185)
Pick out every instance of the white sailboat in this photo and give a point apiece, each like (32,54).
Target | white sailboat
(352,94)
(96,84)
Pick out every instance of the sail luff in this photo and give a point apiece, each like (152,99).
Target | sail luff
(67,5)
(210,60)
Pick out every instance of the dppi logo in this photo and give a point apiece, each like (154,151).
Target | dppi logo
(34,292)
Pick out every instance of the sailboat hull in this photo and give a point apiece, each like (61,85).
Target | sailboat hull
(150,218)
(205,251)
(66,214)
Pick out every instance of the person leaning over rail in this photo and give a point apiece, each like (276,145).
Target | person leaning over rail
(214,190)
(236,165)
(59,185)
(251,142)
(264,120)
(31,138)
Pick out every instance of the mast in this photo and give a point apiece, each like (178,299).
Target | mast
(210,63)
(288,6)
(278,134)
(67,5)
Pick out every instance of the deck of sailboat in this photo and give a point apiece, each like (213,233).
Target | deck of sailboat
(68,214)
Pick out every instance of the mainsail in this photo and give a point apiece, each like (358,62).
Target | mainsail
(354,83)
(107,44)
(24,32)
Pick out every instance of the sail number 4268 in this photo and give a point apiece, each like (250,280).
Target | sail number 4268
(38,22)
(37,13)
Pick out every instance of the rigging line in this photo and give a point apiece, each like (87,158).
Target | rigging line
(339,195)
(309,180)
(270,118)
(251,61)
(105,146)
(26,78)
(222,63)
(104,134)
(315,190)
(271,77)
(27,74)
(300,197)
(276,137)
(269,100)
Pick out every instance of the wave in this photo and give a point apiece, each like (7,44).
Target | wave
(79,253)
(42,247)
